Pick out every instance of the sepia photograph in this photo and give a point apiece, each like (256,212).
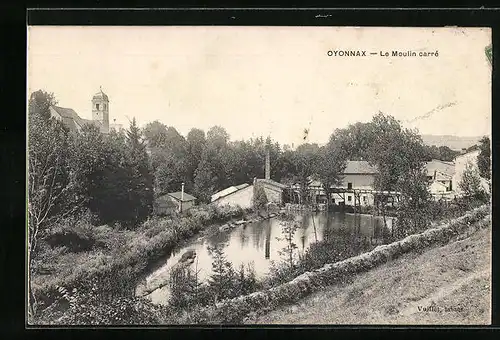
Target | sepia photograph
(258,175)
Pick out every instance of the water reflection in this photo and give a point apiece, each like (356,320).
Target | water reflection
(352,233)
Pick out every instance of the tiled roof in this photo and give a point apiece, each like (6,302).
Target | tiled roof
(437,165)
(101,95)
(71,118)
(271,182)
(359,167)
(228,191)
(177,196)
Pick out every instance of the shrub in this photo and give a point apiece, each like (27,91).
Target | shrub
(75,232)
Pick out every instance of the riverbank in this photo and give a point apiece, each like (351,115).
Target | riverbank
(123,255)
(238,309)
(447,284)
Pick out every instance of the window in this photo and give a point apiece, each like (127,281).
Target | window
(105,106)
(97,106)
(349,186)
(364,198)
(349,198)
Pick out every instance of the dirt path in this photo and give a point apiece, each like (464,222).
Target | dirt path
(444,285)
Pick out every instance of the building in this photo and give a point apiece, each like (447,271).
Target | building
(100,115)
(238,195)
(461,162)
(440,175)
(174,202)
(274,190)
(357,176)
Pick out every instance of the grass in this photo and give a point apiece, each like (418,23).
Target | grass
(455,275)
(118,250)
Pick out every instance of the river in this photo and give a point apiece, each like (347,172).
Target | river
(258,243)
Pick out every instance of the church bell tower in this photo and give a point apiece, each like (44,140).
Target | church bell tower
(100,110)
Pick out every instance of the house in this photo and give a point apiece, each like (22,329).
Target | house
(174,202)
(274,190)
(238,195)
(358,175)
(441,172)
(100,115)
(461,162)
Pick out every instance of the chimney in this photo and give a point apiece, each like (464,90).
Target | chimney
(182,192)
(268,165)
(435,171)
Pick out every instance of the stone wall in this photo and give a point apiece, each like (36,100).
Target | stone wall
(237,309)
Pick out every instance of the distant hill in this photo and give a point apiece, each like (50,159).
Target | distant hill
(453,142)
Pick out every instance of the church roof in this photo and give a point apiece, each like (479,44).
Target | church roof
(72,119)
(101,95)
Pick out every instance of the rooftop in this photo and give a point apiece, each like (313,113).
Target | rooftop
(271,182)
(177,195)
(359,167)
(101,95)
(228,191)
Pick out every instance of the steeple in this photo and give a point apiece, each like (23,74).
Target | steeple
(100,109)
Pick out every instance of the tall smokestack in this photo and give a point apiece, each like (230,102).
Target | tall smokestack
(268,165)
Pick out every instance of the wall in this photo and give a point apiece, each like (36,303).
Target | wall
(243,198)
(364,181)
(436,188)
(185,205)
(359,181)
(273,193)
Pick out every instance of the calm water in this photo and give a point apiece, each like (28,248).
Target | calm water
(258,243)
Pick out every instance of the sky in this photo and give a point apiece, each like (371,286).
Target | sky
(277,81)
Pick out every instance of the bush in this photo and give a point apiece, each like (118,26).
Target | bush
(76,233)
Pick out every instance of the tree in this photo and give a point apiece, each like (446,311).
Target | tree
(306,159)
(288,229)
(141,181)
(221,282)
(470,184)
(196,143)
(331,165)
(207,174)
(446,154)
(484,158)
(260,198)
(49,178)
(155,134)
(40,102)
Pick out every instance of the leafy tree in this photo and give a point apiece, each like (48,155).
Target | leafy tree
(40,102)
(484,158)
(195,143)
(288,229)
(447,154)
(331,165)
(141,183)
(209,176)
(470,184)
(50,184)
(306,159)
(155,134)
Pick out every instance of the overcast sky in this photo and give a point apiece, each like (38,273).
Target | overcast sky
(268,80)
